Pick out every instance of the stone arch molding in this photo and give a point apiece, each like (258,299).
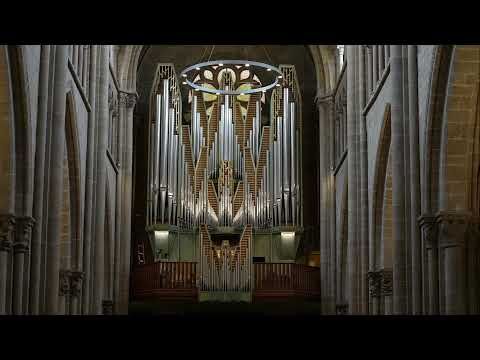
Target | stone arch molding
(323,58)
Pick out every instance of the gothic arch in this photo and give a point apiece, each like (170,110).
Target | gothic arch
(16,152)
(7,136)
(435,108)
(379,182)
(452,138)
(73,163)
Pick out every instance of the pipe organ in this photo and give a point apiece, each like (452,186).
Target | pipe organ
(223,168)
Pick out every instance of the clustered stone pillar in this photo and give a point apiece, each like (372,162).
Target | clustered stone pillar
(39,181)
(101,178)
(7,224)
(23,231)
(416,246)
(127,102)
(363,153)
(352,138)
(398,183)
(56,179)
(89,183)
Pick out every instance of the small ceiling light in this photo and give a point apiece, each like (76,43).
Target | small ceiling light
(184,83)
(197,68)
(242,94)
(280,76)
(184,75)
(269,69)
(220,64)
(247,65)
(196,89)
(217,94)
(278,84)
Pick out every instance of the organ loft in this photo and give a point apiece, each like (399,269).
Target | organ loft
(224,174)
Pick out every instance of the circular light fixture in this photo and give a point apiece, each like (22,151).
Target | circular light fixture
(199,66)
(280,76)
(184,82)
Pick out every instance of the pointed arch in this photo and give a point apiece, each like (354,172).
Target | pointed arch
(379,181)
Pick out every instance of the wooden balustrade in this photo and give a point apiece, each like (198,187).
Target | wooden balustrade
(177,280)
(165,280)
(286,279)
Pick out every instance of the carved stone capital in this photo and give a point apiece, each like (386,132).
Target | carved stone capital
(428,228)
(454,227)
(7,224)
(23,233)
(128,100)
(107,306)
(64,284)
(386,282)
(341,309)
(374,283)
(76,278)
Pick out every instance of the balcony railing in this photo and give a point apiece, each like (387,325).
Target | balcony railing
(286,279)
(177,280)
(170,280)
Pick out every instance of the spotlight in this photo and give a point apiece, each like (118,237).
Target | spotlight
(247,65)
(184,75)
(197,68)
(220,64)
(269,69)
(280,76)
(184,83)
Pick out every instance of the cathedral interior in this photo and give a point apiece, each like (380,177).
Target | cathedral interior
(342,179)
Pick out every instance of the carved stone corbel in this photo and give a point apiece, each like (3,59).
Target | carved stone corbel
(7,224)
(386,282)
(76,278)
(428,230)
(64,284)
(128,100)
(374,283)
(107,306)
(341,309)
(23,234)
(453,228)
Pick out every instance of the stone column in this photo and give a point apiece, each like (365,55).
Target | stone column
(375,67)
(363,218)
(381,60)
(23,231)
(39,181)
(88,233)
(452,232)
(406,158)
(398,184)
(353,181)
(416,247)
(330,216)
(127,102)
(7,223)
(369,71)
(56,179)
(323,167)
(429,243)
(101,176)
